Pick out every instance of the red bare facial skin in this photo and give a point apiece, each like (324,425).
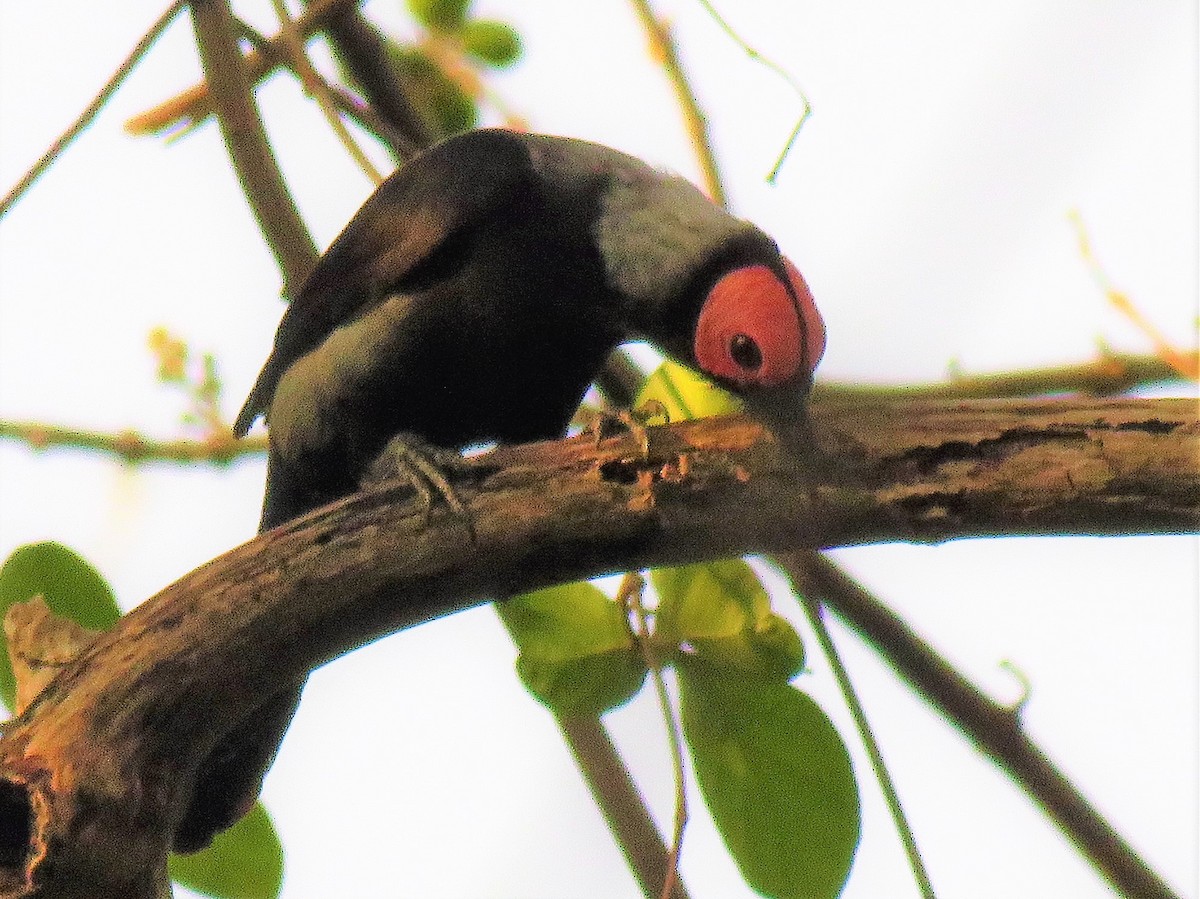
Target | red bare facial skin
(753,331)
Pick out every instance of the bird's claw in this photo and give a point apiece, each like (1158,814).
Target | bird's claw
(420,465)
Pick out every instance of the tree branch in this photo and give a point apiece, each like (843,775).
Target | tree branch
(662,46)
(621,380)
(195,104)
(131,447)
(1109,374)
(995,729)
(609,780)
(93,109)
(96,775)
(363,50)
(246,140)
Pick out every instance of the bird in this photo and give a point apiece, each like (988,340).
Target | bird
(473,299)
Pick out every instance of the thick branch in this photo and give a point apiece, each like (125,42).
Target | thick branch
(95,776)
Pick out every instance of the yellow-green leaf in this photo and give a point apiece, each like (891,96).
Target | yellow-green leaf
(776,778)
(686,394)
(576,653)
(495,43)
(721,610)
(442,103)
(440,15)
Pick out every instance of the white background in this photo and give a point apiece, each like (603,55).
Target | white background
(926,203)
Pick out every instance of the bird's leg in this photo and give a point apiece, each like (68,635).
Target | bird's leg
(633,420)
(420,465)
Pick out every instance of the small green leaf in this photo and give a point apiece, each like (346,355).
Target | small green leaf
(777,780)
(441,102)
(243,862)
(71,587)
(495,43)
(722,611)
(576,654)
(774,652)
(708,599)
(440,15)
(686,394)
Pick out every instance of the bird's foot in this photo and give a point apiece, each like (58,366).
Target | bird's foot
(420,465)
(634,421)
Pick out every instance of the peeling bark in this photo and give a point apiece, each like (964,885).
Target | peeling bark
(96,774)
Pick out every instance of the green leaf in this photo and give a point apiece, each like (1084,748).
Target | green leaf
(243,862)
(723,612)
(441,102)
(71,587)
(777,780)
(686,394)
(495,43)
(440,15)
(576,654)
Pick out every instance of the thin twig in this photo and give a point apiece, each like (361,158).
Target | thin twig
(85,118)
(622,805)
(1188,365)
(816,618)
(364,53)
(132,447)
(620,381)
(663,46)
(246,140)
(1109,375)
(630,596)
(315,86)
(806,106)
(195,104)
(995,729)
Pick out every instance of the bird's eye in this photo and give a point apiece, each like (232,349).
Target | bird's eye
(754,330)
(745,352)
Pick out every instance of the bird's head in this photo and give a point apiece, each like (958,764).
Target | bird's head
(758,334)
(759,330)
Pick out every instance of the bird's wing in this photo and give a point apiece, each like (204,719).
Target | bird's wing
(438,196)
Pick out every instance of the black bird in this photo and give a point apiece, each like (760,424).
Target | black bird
(473,298)
(477,293)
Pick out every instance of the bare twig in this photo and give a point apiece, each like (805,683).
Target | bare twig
(364,52)
(315,87)
(815,613)
(93,108)
(1186,364)
(621,380)
(246,140)
(663,45)
(131,447)
(995,729)
(805,106)
(630,597)
(1110,374)
(621,803)
(195,104)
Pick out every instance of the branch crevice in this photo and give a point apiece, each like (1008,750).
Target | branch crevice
(194,662)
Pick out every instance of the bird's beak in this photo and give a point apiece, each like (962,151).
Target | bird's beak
(784,410)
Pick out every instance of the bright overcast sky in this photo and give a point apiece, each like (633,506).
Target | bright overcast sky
(926,202)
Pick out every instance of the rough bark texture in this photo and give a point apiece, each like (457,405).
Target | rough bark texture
(95,775)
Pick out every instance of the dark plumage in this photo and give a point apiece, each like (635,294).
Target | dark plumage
(473,298)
